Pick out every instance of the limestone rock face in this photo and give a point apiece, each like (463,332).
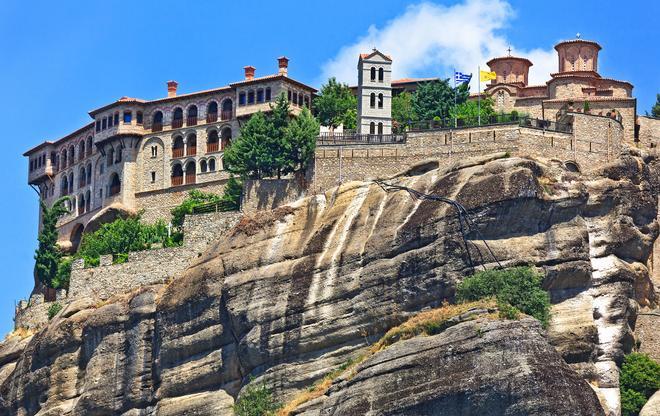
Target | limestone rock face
(483,367)
(292,293)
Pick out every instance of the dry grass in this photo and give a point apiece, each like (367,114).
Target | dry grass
(251,225)
(424,323)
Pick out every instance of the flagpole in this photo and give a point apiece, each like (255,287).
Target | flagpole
(479,96)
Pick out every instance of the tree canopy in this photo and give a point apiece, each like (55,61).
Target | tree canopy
(470,110)
(402,108)
(48,255)
(436,99)
(336,105)
(655,110)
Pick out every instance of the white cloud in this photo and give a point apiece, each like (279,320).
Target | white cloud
(429,39)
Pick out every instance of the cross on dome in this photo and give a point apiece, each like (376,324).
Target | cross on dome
(577,35)
(509,50)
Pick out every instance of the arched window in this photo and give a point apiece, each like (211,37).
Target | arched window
(81,204)
(212,142)
(115,185)
(177,147)
(211,165)
(110,156)
(72,155)
(212,112)
(81,150)
(381,73)
(82,178)
(177,118)
(372,128)
(89,174)
(191,145)
(373,73)
(177,175)
(71,182)
(190,172)
(89,145)
(88,200)
(380,100)
(227,109)
(192,116)
(372,100)
(380,129)
(225,138)
(202,166)
(63,159)
(64,186)
(157,122)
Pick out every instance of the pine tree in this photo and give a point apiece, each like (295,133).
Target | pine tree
(436,99)
(249,155)
(48,255)
(279,120)
(655,110)
(301,141)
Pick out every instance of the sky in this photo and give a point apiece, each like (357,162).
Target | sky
(59,60)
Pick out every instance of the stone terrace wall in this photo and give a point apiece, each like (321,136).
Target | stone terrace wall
(267,194)
(649,132)
(142,268)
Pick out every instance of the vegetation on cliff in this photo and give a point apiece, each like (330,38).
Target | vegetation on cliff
(639,379)
(48,255)
(256,400)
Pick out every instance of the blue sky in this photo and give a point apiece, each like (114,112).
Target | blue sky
(62,59)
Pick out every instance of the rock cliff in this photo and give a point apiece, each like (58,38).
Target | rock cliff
(292,293)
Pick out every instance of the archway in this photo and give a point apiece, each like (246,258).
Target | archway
(76,237)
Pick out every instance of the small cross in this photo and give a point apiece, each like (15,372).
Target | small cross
(577,35)
(509,50)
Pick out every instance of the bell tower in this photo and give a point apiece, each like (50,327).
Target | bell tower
(374,93)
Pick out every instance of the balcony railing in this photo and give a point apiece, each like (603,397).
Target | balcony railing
(157,127)
(191,151)
(211,117)
(190,178)
(226,114)
(177,152)
(177,122)
(338,139)
(212,147)
(177,180)
(191,121)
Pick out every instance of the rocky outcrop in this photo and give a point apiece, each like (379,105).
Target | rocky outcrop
(291,294)
(483,367)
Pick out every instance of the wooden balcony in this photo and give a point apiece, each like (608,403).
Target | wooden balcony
(211,117)
(191,121)
(191,151)
(212,147)
(157,127)
(226,115)
(177,123)
(177,180)
(191,178)
(177,152)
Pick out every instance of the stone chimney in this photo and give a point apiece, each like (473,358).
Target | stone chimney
(249,72)
(283,64)
(171,88)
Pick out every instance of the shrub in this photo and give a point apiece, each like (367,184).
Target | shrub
(53,310)
(63,275)
(256,400)
(639,379)
(519,287)
(194,199)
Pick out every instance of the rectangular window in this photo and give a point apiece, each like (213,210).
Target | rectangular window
(267,94)
(128,116)
(110,121)
(250,97)
(153,177)
(154,151)
(138,117)
(116,119)
(288,95)
(260,96)
(241,98)
(104,123)
(98,126)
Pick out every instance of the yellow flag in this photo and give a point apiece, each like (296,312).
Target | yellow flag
(487,76)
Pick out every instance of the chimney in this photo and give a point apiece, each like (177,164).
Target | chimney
(171,88)
(283,64)
(249,72)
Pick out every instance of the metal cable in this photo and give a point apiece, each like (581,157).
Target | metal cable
(464,220)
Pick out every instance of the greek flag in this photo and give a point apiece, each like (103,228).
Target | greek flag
(460,77)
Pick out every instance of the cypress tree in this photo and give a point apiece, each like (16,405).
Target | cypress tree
(48,255)
(301,137)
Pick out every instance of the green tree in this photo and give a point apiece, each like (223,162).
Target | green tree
(250,154)
(402,108)
(469,111)
(48,255)
(278,147)
(300,138)
(519,287)
(231,198)
(639,379)
(336,105)
(436,99)
(655,110)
